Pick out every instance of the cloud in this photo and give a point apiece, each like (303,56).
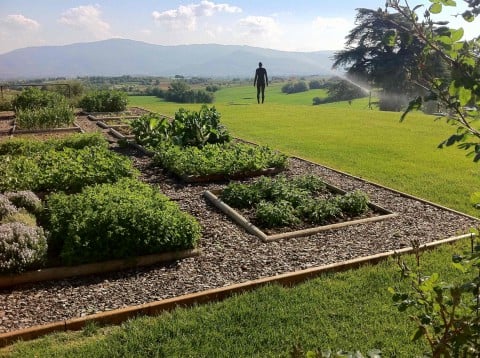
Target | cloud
(86,17)
(331,23)
(259,26)
(19,22)
(186,16)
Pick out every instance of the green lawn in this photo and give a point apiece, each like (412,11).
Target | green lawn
(350,310)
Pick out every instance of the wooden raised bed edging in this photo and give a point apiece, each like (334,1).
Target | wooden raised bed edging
(61,272)
(213,295)
(252,229)
(75,128)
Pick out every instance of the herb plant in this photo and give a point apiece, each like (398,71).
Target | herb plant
(223,159)
(124,219)
(282,201)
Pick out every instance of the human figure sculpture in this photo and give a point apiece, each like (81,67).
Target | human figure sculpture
(260,80)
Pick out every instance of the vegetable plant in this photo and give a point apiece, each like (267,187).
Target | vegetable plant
(150,129)
(190,128)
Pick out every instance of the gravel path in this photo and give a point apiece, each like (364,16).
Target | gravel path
(229,254)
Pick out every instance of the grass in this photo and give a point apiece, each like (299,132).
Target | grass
(349,310)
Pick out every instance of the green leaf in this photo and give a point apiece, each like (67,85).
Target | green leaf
(436,8)
(464,95)
(456,35)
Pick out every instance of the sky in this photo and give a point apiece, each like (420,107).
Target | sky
(290,25)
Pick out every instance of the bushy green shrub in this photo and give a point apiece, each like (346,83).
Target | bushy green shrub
(120,220)
(21,247)
(104,101)
(295,87)
(34,98)
(68,169)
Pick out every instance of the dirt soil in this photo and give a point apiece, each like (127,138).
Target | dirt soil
(229,254)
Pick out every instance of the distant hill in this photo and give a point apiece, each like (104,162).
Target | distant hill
(116,57)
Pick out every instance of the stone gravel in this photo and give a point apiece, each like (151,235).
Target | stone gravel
(229,254)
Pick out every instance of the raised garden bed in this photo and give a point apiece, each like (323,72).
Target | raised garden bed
(245,217)
(230,255)
(121,132)
(63,272)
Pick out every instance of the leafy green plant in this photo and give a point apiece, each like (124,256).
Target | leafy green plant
(353,203)
(68,169)
(19,146)
(61,115)
(104,101)
(307,196)
(447,315)
(224,159)
(119,220)
(34,98)
(150,129)
(190,128)
(276,214)
(241,195)
(320,211)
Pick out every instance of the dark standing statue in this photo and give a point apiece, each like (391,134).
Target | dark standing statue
(261,80)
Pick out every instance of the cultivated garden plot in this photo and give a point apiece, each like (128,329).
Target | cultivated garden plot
(229,254)
(281,208)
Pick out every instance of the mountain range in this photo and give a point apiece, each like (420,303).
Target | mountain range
(117,57)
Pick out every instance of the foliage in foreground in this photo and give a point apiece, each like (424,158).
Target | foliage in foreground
(120,220)
(287,202)
(223,159)
(447,315)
